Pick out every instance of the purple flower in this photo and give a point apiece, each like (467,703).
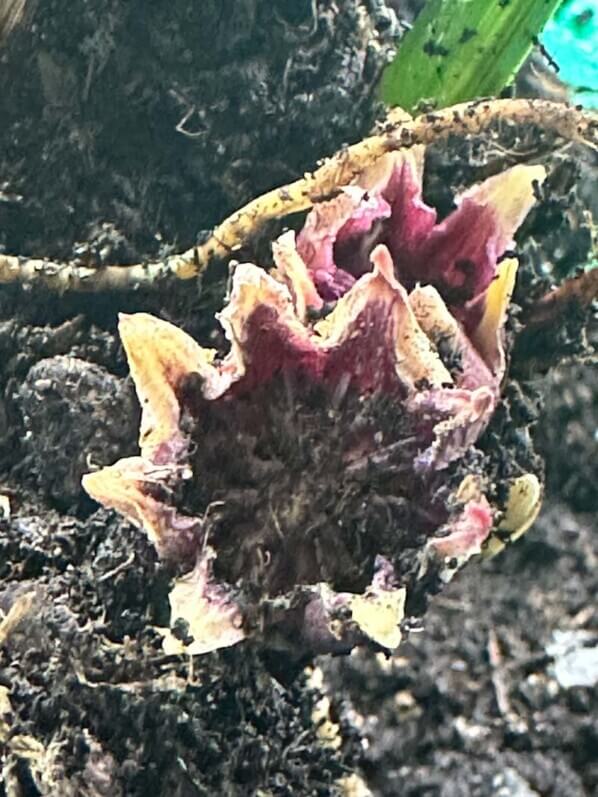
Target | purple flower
(308,479)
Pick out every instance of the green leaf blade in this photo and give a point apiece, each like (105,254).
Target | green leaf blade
(462,49)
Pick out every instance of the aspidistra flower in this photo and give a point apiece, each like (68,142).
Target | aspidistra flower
(318,478)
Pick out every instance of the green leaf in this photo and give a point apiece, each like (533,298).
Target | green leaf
(458,50)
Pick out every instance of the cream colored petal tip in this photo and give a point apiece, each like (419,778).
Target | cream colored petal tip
(377,176)
(443,330)
(511,193)
(379,616)
(213,620)
(160,355)
(130,487)
(291,269)
(522,509)
(121,487)
(488,334)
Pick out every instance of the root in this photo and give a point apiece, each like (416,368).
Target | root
(577,291)
(62,277)
(559,119)
(342,168)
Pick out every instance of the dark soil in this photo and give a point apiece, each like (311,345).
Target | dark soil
(93,167)
(470,706)
(127,128)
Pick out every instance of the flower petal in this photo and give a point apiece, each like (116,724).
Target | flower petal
(265,333)
(160,356)
(488,335)
(523,506)
(449,338)
(459,255)
(373,335)
(379,611)
(510,194)
(398,176)
(213,619)
(138,490)
(467,532)
(341,220)
(291,269)
(456,417)
(335,622)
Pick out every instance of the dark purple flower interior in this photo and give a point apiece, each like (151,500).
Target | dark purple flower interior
(457,256)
